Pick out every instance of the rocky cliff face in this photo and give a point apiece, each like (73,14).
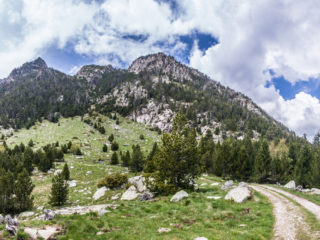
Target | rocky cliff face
(33,67)
(92,72)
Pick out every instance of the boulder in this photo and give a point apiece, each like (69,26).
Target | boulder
(299,188)
(179,196)
(290,185)
(164,230)
(72,183)
(243,184)
(139,183)
(57,172)
(215,184)
(11,225)
(146,196)
(100,193)
(130,194)
(315,191)
(49,215)
(45,233)
(238,194)
(26,214)
(227,185)
(1,219)
(213,197)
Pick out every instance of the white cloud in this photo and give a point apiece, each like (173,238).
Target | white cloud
(28,27)
(254,37)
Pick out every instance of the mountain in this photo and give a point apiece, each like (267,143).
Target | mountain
(151,91)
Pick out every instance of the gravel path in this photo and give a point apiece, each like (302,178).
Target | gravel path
(290,222)
(310,206)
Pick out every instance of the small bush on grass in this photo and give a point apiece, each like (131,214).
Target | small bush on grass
(113,181)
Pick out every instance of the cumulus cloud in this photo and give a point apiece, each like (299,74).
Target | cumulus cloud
(254,37)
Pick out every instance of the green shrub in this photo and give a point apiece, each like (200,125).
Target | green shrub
(113,181)
(114,146)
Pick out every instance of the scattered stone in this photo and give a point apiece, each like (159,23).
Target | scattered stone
(200,238)
(100,233)
(146,196)
(49,214)
(205,175)
(138,182)
(89,173)
(11,225)
(315,191)
(203,184)
(100,193)
(72,183)
(102,212)
(57,172)
(215,184)
(242,225)
(179,196)
(238,194)
(243,184)
(26,214)
(130,194)
(227,185)
(115,197)
(40,208)
(46,233)
(291,185)
(213,197)
(164,230)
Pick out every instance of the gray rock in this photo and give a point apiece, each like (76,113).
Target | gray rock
(179,196)
(57,172)
(102,212)
(115,197)
(164,230)
(200,238)
(72,183)
(238,194)
(45,233)
(315,191)
(299,188)
(130,194)
(1,219)
(213,197)
(139,183)
(11,225)
(146,196)
(89,173)
(26,214)
(227,185)
(49,214)
(243,184)
(100,193)
(290,185)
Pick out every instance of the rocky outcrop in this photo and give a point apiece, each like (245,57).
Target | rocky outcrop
(227,185)
(290,185)
(239,194)
(100,193)
(11,225)
(93,72)
(179,196)
(44,233)
(130,194)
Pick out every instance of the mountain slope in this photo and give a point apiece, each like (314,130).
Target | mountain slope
(151,91)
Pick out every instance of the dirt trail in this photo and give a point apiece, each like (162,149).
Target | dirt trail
(310,206)
(290,221)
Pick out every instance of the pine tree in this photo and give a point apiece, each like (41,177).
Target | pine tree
(114,158)
(149,165)
(114,146)
(6,191)
(111,138)
(66,172)
(303,171)
(59,191)
(23,189)
(30,144)
(105,148)
(137,159)
(126,159)
(262,164)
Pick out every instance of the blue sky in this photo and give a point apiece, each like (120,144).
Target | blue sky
(267,50)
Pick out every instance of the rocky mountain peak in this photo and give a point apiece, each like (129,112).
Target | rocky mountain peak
(26,69)
(162,64)
(91,72)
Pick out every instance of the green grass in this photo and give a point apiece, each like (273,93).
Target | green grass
(190,218)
